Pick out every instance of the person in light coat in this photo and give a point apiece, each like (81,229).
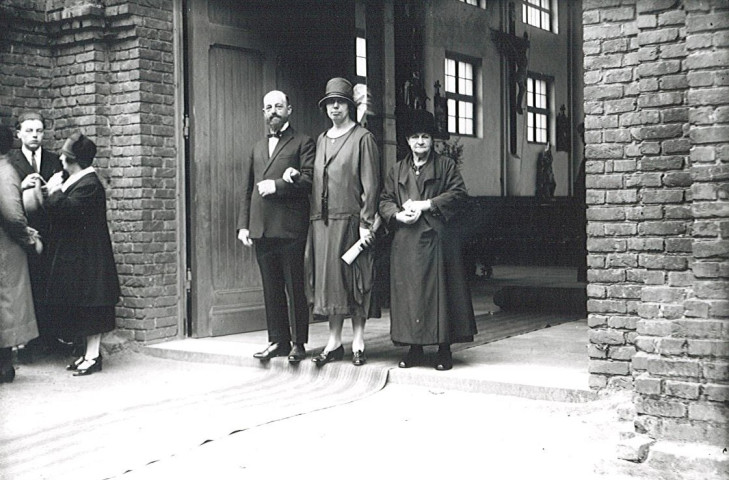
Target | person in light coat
(17,240)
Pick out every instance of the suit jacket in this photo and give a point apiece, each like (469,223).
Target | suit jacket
(50,164)
(284,214)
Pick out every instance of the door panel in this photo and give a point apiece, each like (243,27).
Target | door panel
(237,51)
(229,67)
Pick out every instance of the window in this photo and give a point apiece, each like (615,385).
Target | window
(537,13)
(361,53)
(460,95)
(471,2)
(537,109)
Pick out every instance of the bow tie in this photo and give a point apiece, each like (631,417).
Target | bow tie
(275,134)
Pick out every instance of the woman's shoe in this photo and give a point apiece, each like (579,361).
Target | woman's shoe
(325,357)
(73,366)
(414,357)
(359,358)
(443,360)
(94,367)
(7,375)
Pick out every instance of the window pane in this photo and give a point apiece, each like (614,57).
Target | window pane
(450,73)
(451,115)
(530,92)
(524,13)
(530,127)
(545,21)
(450,67)
(545,4)
(361,47)
(361,67)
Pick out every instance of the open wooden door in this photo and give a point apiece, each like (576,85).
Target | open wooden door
(236,52)
(229,69)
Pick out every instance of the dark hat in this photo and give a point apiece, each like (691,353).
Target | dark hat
(338,88)
(29,115)
(33,199)
(79,148)
(420,121)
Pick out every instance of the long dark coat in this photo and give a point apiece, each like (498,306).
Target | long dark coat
(82,271)
(430,296)
(17,317)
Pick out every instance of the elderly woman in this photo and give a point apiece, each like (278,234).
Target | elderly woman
(345,193)
(83,285)
(17,316)
(430,298)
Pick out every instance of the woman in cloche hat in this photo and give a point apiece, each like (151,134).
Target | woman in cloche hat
(83,285)
(345,194)
(429,292)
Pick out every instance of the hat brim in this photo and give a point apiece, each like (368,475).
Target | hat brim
(33,200)
(323,101)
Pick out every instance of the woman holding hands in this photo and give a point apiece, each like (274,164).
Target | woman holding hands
(430,296)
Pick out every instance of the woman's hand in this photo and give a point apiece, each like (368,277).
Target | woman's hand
(367,236)
(407,216)
(290,175)
(55,182)
(418,205)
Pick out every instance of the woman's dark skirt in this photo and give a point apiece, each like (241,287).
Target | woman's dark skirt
(70,322)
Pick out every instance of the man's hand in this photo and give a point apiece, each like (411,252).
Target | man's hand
(290,175)
(244,237)
(266,187)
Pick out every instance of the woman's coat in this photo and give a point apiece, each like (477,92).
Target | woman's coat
(82,270)
(430,297)
(17,315)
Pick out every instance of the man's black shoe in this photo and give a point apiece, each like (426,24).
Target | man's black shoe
(276,349)
(298,353)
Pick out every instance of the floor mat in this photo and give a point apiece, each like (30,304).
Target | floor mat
(110,443)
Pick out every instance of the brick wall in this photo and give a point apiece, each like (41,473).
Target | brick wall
(656,102)
(106,68)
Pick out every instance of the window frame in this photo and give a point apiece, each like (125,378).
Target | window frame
(531,95)
(537,5)
(458,98)
(360,34)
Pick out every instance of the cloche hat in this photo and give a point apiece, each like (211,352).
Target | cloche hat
(420,121)
(79,148)
(338,87)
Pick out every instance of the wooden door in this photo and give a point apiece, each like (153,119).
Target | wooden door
(229,69)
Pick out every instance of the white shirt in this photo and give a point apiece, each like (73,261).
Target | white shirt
(76,177)
(28,154)
(273,141)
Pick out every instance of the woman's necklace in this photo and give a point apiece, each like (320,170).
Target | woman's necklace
(418,166)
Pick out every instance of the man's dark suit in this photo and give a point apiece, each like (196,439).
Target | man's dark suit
(278,225)
(38,264)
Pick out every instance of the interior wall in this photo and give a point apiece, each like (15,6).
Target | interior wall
(456,27)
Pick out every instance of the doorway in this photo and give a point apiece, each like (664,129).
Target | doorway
(234,53)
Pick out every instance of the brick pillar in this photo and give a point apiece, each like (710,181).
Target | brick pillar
(657,120)
(612,154)
(113,78)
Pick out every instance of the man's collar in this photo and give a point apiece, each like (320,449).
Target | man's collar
(28,153)
(285,126)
